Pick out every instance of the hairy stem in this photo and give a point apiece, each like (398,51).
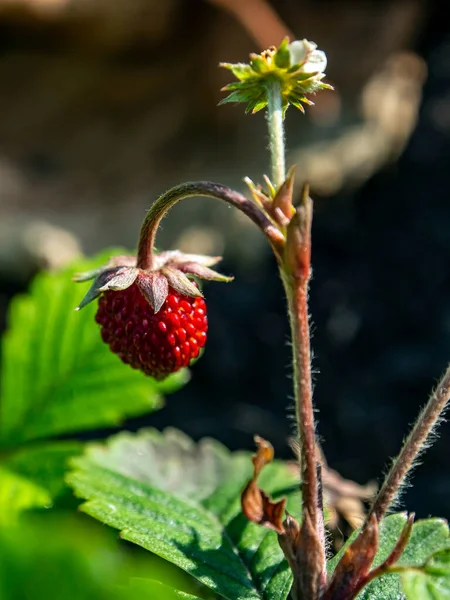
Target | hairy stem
(295,268)
(309,574)
(297,296)
(295,273)
(199,188)
(276,133)
(413,445)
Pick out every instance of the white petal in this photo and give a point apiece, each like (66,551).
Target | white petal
(317,62)
(299,50)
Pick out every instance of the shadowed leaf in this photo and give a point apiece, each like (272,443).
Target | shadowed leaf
(181,501)
(427,536)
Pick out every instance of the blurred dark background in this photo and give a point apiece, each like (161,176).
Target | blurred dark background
(103,105)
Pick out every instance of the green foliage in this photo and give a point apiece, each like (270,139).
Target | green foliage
(427,536)
(155,590)
(44,464)
(431,581)
(58,377)
(68,558)
(17,494)
(57,374)
(181,501)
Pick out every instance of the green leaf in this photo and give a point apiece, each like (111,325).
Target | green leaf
(181,501)
(427,536)
(432,581)
(44,464)
(158,591)
(45,556)
(57,374)
(18,494)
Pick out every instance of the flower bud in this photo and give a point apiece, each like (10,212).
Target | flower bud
(297,67)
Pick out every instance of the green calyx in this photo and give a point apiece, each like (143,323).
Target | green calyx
(297,67)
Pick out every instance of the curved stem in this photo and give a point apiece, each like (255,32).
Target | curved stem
(276,133)
(200,188)
(414,444)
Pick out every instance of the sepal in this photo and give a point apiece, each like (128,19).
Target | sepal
(169,268)
(277,204)
(122,279)
(116,278)
(203,272)
(115,261)
(176,258)
(154,287)
(181,283)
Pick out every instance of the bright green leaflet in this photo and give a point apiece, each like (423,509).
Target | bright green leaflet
(75,561)
(44,464)
(431,581)
(57,374)
(17,494)
(181,501)
(427,536)
(156,589)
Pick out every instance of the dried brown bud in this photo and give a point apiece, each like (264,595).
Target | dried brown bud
(256,504)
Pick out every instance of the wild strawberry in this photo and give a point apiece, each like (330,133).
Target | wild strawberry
(156,343)
(153,319)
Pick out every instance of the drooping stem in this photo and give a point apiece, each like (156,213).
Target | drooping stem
(199,188)
(276,133)
(414,444)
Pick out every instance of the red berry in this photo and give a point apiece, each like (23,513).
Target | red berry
(158,344)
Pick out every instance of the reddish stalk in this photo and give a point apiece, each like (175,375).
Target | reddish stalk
(295,272)
(301,356)
(195,189)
